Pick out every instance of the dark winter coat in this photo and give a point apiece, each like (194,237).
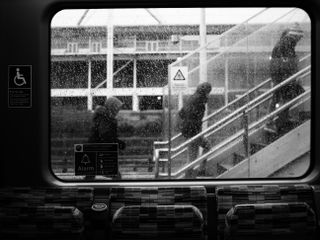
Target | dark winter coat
(190,116)
(283,64)
(104,128)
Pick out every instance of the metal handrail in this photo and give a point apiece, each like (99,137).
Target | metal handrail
(239,110)
(222,109)
(240,134)
(236,118)
(229,104)
(231,117)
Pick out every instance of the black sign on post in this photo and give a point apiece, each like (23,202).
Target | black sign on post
(20,86)
(96,159)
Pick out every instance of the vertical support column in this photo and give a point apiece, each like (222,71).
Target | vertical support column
(135,43)
(110,50)
(169,122)
(135,99)
(203,54)
(203,51)
(180,100)
(259,108)
(226,81)
(90,102)
(180,49)
(246,141)
(180,94)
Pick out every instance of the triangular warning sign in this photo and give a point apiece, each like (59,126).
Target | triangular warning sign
(179,76)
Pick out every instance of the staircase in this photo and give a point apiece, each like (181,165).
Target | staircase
(272,153)
(286,150)
(256,141)
(233,142)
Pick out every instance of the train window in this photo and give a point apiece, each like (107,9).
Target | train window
(180,93)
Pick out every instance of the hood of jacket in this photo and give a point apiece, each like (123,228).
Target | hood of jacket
(291,36)
(112,105)
(110,109)
(202,91)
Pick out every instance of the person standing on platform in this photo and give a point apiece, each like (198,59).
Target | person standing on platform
(104,128)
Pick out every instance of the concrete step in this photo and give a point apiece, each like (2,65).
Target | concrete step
(271,133)
(238,157)
(222,167)
(304,115)
(255,147)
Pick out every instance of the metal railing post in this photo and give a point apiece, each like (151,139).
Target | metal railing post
(246,142)
(156,167)
(169,124)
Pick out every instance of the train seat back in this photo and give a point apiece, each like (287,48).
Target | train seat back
(276,221)
(158,222)
(230,196)
(174,204)
(44,213)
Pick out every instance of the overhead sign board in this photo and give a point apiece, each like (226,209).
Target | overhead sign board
(179,79)
(96,159)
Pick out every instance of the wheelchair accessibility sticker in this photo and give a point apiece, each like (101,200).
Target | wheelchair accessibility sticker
(19,86)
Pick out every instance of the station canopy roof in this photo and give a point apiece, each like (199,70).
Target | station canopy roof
(156,16)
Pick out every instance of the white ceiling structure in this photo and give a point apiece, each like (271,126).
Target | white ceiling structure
(162,16)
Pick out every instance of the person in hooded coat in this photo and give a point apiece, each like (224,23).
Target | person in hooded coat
(104,124)
(283,64)
(190,123)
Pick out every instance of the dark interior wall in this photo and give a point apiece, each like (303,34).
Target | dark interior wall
(26,41)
